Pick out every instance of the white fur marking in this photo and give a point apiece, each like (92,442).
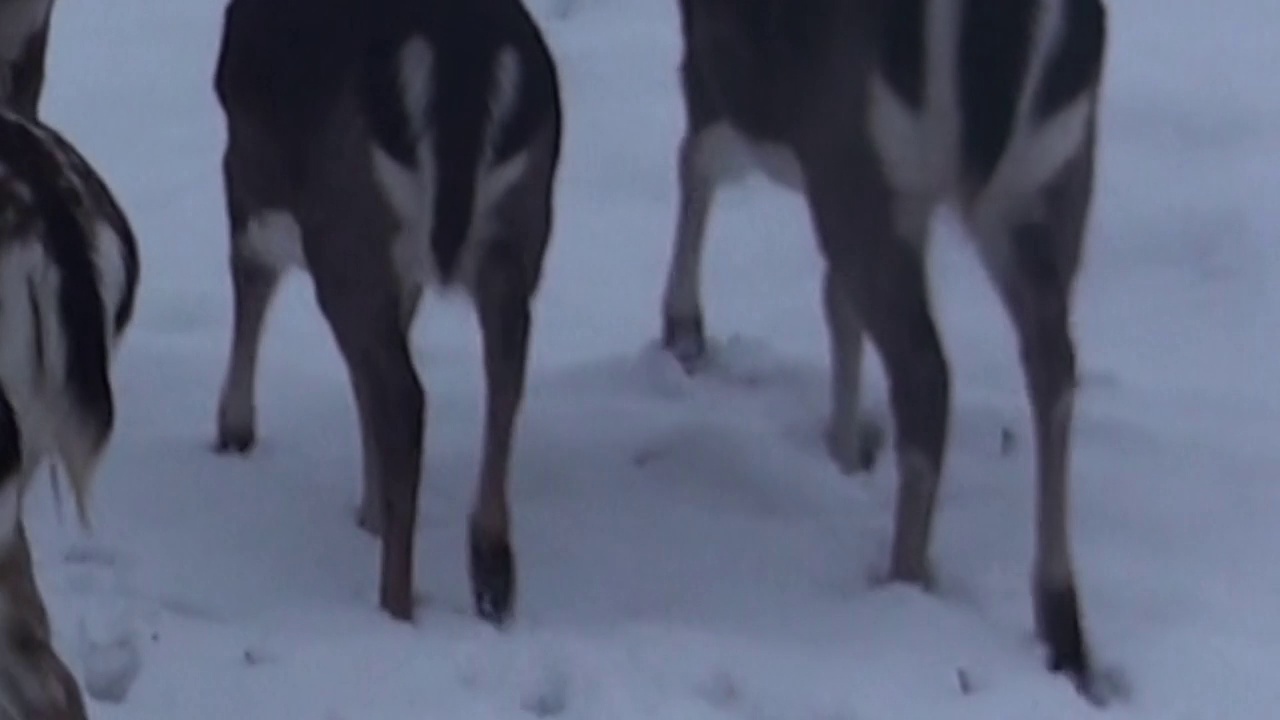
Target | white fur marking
(417,63)
(274,239)
(24,265)
(1036,151)
(411,195)
(46,422)
(505,92)
(724,154)
(411,191)
(920,152)
(108,257)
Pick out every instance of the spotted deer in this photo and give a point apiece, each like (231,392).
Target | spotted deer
(68,278)
(878,111)
(24,39)
(387,147)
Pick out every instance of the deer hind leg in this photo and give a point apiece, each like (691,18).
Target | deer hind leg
(34,680)
(506,282)
(502,298)
(1031,248)
(369,516)
(262,245)
(874,239)
(358,294)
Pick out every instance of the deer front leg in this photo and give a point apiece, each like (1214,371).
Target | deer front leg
(253,286)
(683,331)
(853,441)
(254,281)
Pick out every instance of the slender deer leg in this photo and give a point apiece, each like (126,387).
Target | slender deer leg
(365,317)
(875,240)
(253,287)
(502,298)
(369,516)
(34,681)
(853,441)
(253,284)
(683,331)
(1034,262)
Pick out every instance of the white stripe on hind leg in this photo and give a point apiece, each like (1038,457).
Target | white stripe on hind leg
(80,442)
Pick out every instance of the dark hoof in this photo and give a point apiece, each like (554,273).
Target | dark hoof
(493,581)
(397,603)
(685,339)
(858,451)
(1058,624)
(234,440)
(370,520)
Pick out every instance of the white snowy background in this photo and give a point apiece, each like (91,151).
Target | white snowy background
(686,549)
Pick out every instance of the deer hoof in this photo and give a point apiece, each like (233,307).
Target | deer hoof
(856,447)
(492,576)
(238,440)
(685,339)
(370,519)
(1058,625)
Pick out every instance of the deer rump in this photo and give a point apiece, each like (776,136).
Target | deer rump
(457,90)
(68,273)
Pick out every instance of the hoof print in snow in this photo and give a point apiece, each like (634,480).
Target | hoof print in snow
(369,519)
(492,577)
(111,668)
(1107,686)
(549,699)
(1008,441)
(90,553)
(720,691)
(254,656)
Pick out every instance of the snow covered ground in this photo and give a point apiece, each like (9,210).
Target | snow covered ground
(686,549)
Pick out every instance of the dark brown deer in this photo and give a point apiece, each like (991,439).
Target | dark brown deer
(68,278)
(878,111)
(388,146)
(24,41)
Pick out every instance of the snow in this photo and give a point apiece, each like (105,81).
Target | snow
(686,549)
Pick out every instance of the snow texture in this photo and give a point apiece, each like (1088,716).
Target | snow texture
(686,548)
